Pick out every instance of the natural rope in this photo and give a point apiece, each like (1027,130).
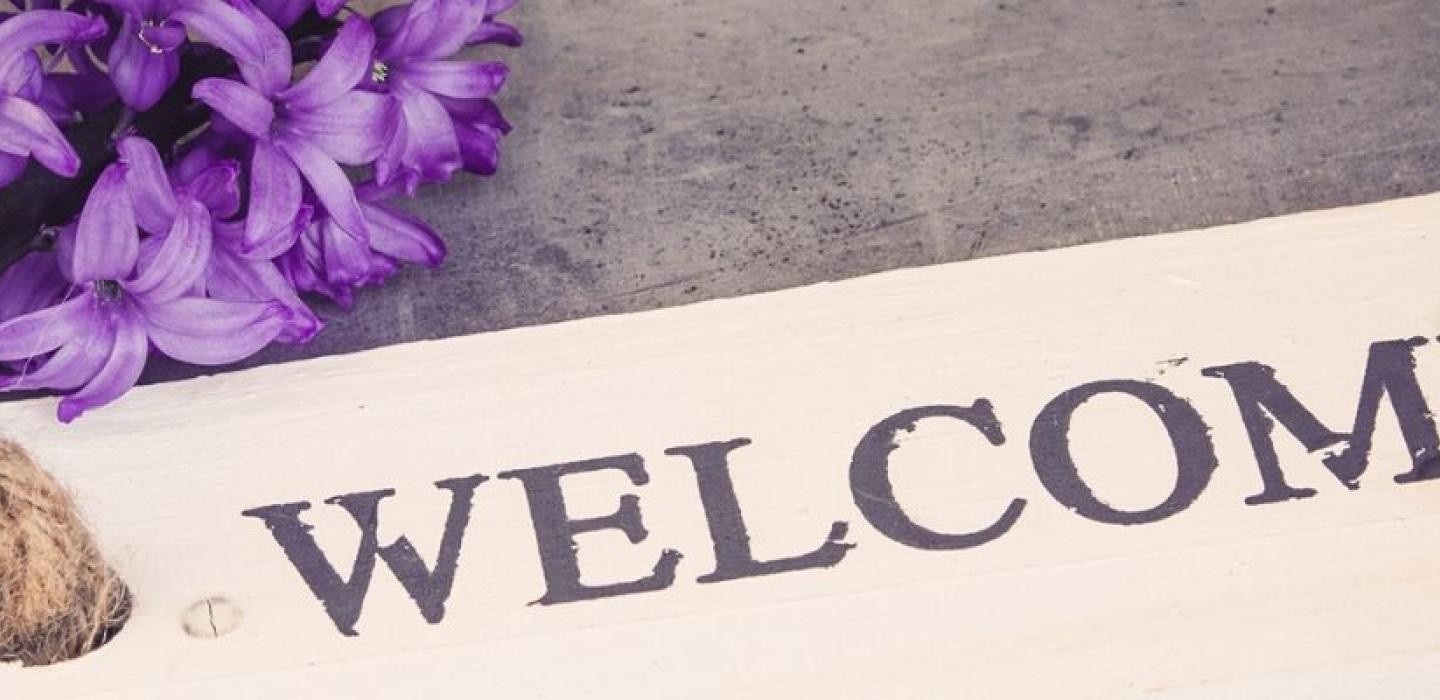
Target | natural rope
(58,598)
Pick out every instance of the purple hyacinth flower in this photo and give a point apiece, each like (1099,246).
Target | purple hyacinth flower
(229,275)
(128,292)
(144,59)
(447,121)
(305,132)
(26,129)
(327,262)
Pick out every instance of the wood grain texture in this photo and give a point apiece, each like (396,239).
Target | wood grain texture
(673,151)
(1327,597)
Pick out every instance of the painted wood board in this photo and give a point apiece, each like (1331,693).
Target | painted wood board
(1063,509)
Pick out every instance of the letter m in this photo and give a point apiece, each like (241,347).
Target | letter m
(1389,372)
(344,598)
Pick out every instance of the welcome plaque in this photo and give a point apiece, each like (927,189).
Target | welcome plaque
(1189,465)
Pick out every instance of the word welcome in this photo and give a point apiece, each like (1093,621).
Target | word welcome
(1262,400)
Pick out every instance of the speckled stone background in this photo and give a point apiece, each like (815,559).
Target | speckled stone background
(672,151)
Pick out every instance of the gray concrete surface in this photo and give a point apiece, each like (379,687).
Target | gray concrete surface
(671,151)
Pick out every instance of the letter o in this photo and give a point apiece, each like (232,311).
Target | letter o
(1190,436)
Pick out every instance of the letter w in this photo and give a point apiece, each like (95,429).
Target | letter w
(343,599)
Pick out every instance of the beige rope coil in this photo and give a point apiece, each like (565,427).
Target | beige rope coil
(58,598)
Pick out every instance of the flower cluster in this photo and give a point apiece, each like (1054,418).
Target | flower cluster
(204,246)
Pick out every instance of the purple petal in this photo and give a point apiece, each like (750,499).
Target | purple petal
(347,261)
(433,29)
(331,186)
(11,168)
(32,28)
(218,188)
(234,278)
(221,143)
(72,366)
(182,256)
(479,147)
(88,89)
(277,245)
(344,65)
(496,33)
(244,32)
(275,192)
(389,21)
(284,12)
(353,129)
(24,77)
(238,103)
(390,165)
(107,242)
(32,283)
(25,130)
(483,110)
(65,250)
(458,79)
(328,8)
(302,264)
(66,95)
(212,332)
(119,373)
(39,332)
(149,185)
(403,237)
(431,149)
(53,102)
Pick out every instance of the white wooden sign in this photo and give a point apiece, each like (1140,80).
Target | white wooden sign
(1193,465)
